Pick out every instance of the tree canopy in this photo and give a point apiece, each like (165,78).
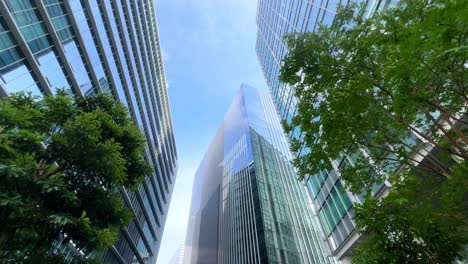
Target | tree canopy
(390,91)
(63,162)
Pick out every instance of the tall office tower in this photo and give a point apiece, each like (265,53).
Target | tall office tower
(178,256)
(247,205)
(94,46)
(275,19)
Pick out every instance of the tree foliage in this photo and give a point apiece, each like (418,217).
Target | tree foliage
(390,91)
(62,164)
(422,220)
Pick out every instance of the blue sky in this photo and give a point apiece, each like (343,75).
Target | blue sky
(208,49)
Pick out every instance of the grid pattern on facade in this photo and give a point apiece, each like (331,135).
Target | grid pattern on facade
(90,46)
(275,19)
(240,229)
(296,221)
(264,215)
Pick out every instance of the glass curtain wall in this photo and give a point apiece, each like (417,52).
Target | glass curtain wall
(276,18)
(258,211)
(87,47)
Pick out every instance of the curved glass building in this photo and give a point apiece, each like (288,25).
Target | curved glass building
(247,205)
(93,46)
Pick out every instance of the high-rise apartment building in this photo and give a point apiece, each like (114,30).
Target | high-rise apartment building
(93,46)
(247,205)
(275,18)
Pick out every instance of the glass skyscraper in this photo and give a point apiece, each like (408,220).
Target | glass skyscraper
(247,205)
(275,18)
(93,46)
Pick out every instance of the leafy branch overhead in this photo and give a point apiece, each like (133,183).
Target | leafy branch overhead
(381,85)
(62,163)
(390,93)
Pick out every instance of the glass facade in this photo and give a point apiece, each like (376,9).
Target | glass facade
(247,206)
(93,46)
(275,18)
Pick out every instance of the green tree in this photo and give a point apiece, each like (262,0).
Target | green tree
(62,164)
(391,92)
(422,220)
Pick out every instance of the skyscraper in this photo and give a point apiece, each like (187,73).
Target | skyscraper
(274,20)
(96,46)
(178,256)
(247,205)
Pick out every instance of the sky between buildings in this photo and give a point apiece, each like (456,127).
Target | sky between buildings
(208,49)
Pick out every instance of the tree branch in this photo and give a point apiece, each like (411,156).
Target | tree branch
(442,110)
(431,158)
(429,139)
(53,172)
(419,166)
(444,131)
(464,221)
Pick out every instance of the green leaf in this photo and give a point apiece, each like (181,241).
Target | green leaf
(61,220)
(11,200)
(62,162)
